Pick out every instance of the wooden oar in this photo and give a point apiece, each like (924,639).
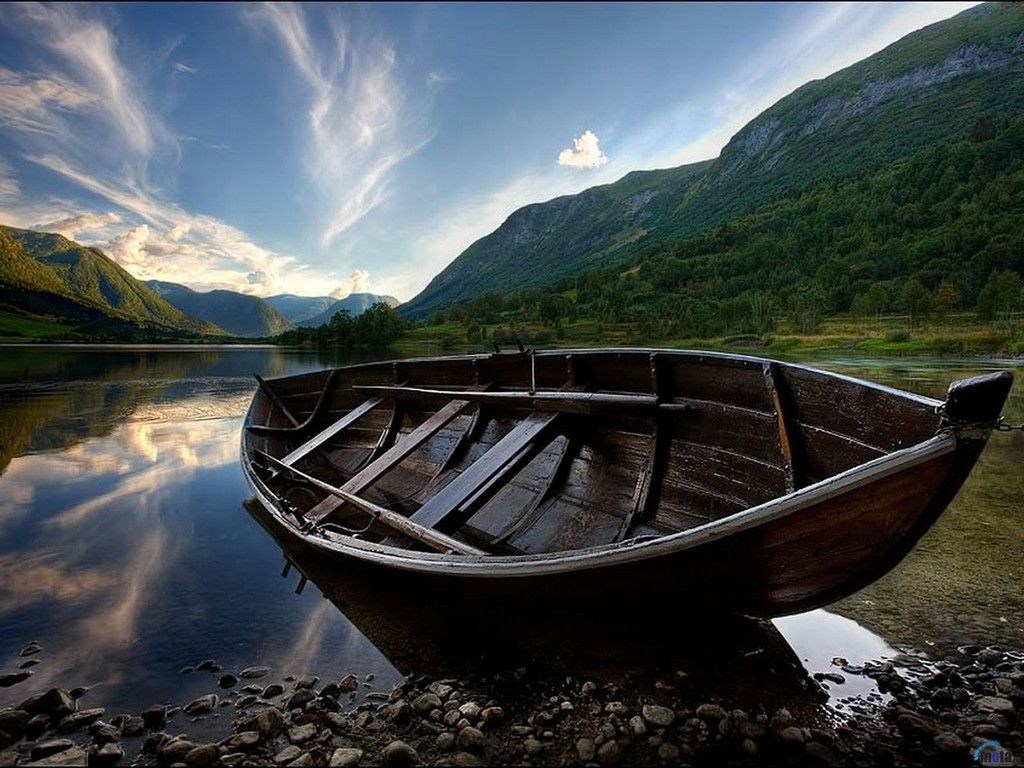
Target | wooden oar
(433,539)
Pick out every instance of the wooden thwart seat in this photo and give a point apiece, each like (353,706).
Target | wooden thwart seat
(387,460)
(343,423)
(449,507)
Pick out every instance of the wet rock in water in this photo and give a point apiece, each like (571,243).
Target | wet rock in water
(77,693)
(209,665)
(28,663)
(75,756)
(105,734)
(203,705)
(245,740)
(13,678)
(227,681)
(13,724)
(306,683)
(346,757)
(832,677)
(470,739)
(711,712)
(155,717)
(286,755)
(398,754)
(77,719)
(269,722)
(302,733)
(31,649)
(993,704)
(108,754)
(348,683)
(56,703)
(426,702)
(586,750)
(657,715)
(202,755)
(242,702)
(52,747)
(272,691)
(300,699)
(252,673)
(186,670)
(132,725)
(609,753)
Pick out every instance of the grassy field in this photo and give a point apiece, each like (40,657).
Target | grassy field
(959,335)
(14,327)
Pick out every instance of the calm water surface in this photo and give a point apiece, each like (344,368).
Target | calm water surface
(125,549)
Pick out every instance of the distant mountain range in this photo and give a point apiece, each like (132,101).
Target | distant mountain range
(71,291)
(237,313)
(928,88)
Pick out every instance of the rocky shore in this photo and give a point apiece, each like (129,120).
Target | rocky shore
(924,712)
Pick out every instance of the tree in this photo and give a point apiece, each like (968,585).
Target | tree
(947,299)
(1000,297)
(915,300)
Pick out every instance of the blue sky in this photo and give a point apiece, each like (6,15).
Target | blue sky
(322,149)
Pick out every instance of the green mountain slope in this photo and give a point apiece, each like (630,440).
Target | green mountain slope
(297,309)
(929,88)
(47,275)
(355,304)
(235,312)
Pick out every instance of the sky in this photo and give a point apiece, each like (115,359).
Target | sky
(324,149)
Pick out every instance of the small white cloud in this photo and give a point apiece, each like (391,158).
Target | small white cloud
(181,66)
(70,226)
(258,277)
(358,282)
(586,153)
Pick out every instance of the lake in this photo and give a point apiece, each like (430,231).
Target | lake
(127,553)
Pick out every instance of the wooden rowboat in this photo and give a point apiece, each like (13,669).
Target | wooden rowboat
(719,480)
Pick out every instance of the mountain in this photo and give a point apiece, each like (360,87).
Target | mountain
(297,309)
(45,275)
(929,88)
(237,313)
(354,303)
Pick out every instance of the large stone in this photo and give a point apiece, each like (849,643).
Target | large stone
(174,751)
(398,754)
(609,753)
(203,705)
(348,683)
(13,678)
(491,716)
(269,722)
(245,740)
(470,710)
(52,747)
(302,733)
(792,735)
(31,649)
(346,757)
(657,715)
(441,690)
(950,743)
(155,717)
(286,755)
(132,725)
(272,691)
(426,702)
(227,681)
(994,704)
(252,673)
(76,720)
(108,754)
(56,703)
(202,756)
(300,699)
(711,712)
(75,756)
(305,760)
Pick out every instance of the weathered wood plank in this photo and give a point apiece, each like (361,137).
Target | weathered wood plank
(317,440)
(649,479)
(442,509)
(273,397)
(771,383)
(556,401)
(387,461)
(393,520)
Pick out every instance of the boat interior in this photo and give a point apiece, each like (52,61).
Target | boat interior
(523,453)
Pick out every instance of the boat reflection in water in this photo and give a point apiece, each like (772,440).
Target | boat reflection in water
(722,657)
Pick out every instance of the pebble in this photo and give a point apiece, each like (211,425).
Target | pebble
(51,747)
(465,760)
(207,666)
(202,705)
(659,716)
(445,741)
(470,710)
(28,663)
(306,683)
(252,673)
(269,722)
(533,747)
(586,750)
(76,720)
(272,691)
(792,735)
(637,726)
(710,712)
(426,702)
(348,683)
(949,742)
(441,690)
(994,704)
(31,649)
(108,754)
(245,740)
(302,733)
(300,699)
(13,678)
(668,752)
(398,754)
(346,757)
(202,755)
(286,755)
(609,753)
(470,739)
(75,756)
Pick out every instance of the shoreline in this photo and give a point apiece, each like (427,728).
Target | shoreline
(924,711)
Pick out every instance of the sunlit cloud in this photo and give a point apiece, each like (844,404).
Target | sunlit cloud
(358,282)
(361,123)
(180,66)
(584,153)
(70,226)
